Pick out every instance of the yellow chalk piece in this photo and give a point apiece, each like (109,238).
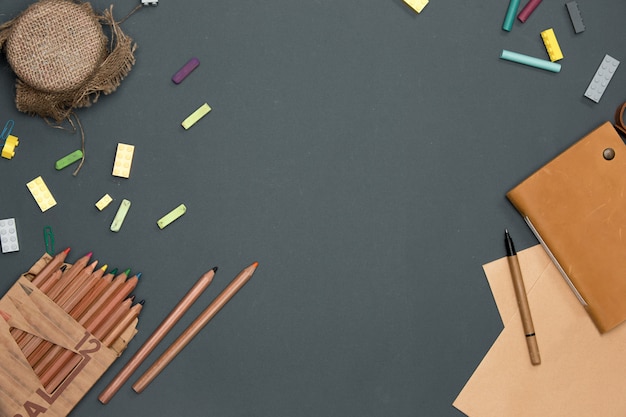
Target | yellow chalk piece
(171,216)
(195,116)
(104,202)
(417,5)
(41,194)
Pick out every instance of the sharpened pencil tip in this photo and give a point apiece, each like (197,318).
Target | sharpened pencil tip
(138,275)
(66,251)
(255,264)
(142,302)
(89,254)
(215,269)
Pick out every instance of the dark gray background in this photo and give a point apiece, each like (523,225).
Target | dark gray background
(358,151)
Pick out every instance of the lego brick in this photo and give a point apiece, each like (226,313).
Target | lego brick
(118,220)
(171,216)
(602,77)
(123,160)
(41,194)
(68,160)
(531,61)
(104,202)
(195,116)
(417,5)
(552,45)
(8,236)
(8,150)
(575,17)
(182,73)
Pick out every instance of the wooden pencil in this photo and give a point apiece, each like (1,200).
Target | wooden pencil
(67,359)
(92,295)
(65,300)
(155,338)
(99,333)
(66,284)
(81,292)
(45,358)
(54,264)
(77,282)
(22,337)
(68,276)
(112,319)
(123,324)
(194,328)
(55,294)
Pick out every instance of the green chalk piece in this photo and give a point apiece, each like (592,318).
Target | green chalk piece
(171,216)
(120,216)
(68,159)
(196,115)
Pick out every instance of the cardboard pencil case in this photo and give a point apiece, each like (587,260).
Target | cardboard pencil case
(28,309)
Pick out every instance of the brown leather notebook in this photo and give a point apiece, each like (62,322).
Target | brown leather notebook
(576,206)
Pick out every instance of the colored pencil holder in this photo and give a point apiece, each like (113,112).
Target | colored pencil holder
(25,307)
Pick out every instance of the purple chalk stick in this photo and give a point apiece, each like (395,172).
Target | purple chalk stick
(182,73)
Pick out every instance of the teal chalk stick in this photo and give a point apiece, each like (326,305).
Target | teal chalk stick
(511,12)
(530,61)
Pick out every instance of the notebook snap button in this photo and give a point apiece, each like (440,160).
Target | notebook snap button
(608,154)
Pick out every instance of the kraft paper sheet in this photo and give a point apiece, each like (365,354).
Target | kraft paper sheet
(583,373)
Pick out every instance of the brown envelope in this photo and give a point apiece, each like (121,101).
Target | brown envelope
(582,373)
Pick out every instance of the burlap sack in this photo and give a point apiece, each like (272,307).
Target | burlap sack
(60,54)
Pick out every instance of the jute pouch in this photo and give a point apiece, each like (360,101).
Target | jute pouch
(62,57)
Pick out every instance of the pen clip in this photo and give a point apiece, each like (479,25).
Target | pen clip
(554,261)
(8,128)
(48,238)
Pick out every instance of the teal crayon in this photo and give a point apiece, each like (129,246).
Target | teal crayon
(530,61)
(509,18)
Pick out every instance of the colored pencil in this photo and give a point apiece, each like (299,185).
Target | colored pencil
(123,324)
(54,264)
(63,360)
(194,328)
(161,331)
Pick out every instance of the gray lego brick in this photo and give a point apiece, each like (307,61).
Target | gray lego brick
(601,78)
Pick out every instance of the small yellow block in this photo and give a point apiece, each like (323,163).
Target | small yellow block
(104,202)
(8,150)
(41,194)
(197,115)
(552,45)
(123,160)
(417,5)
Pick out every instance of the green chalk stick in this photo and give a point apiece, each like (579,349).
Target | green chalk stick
(68,159)
(171,216)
